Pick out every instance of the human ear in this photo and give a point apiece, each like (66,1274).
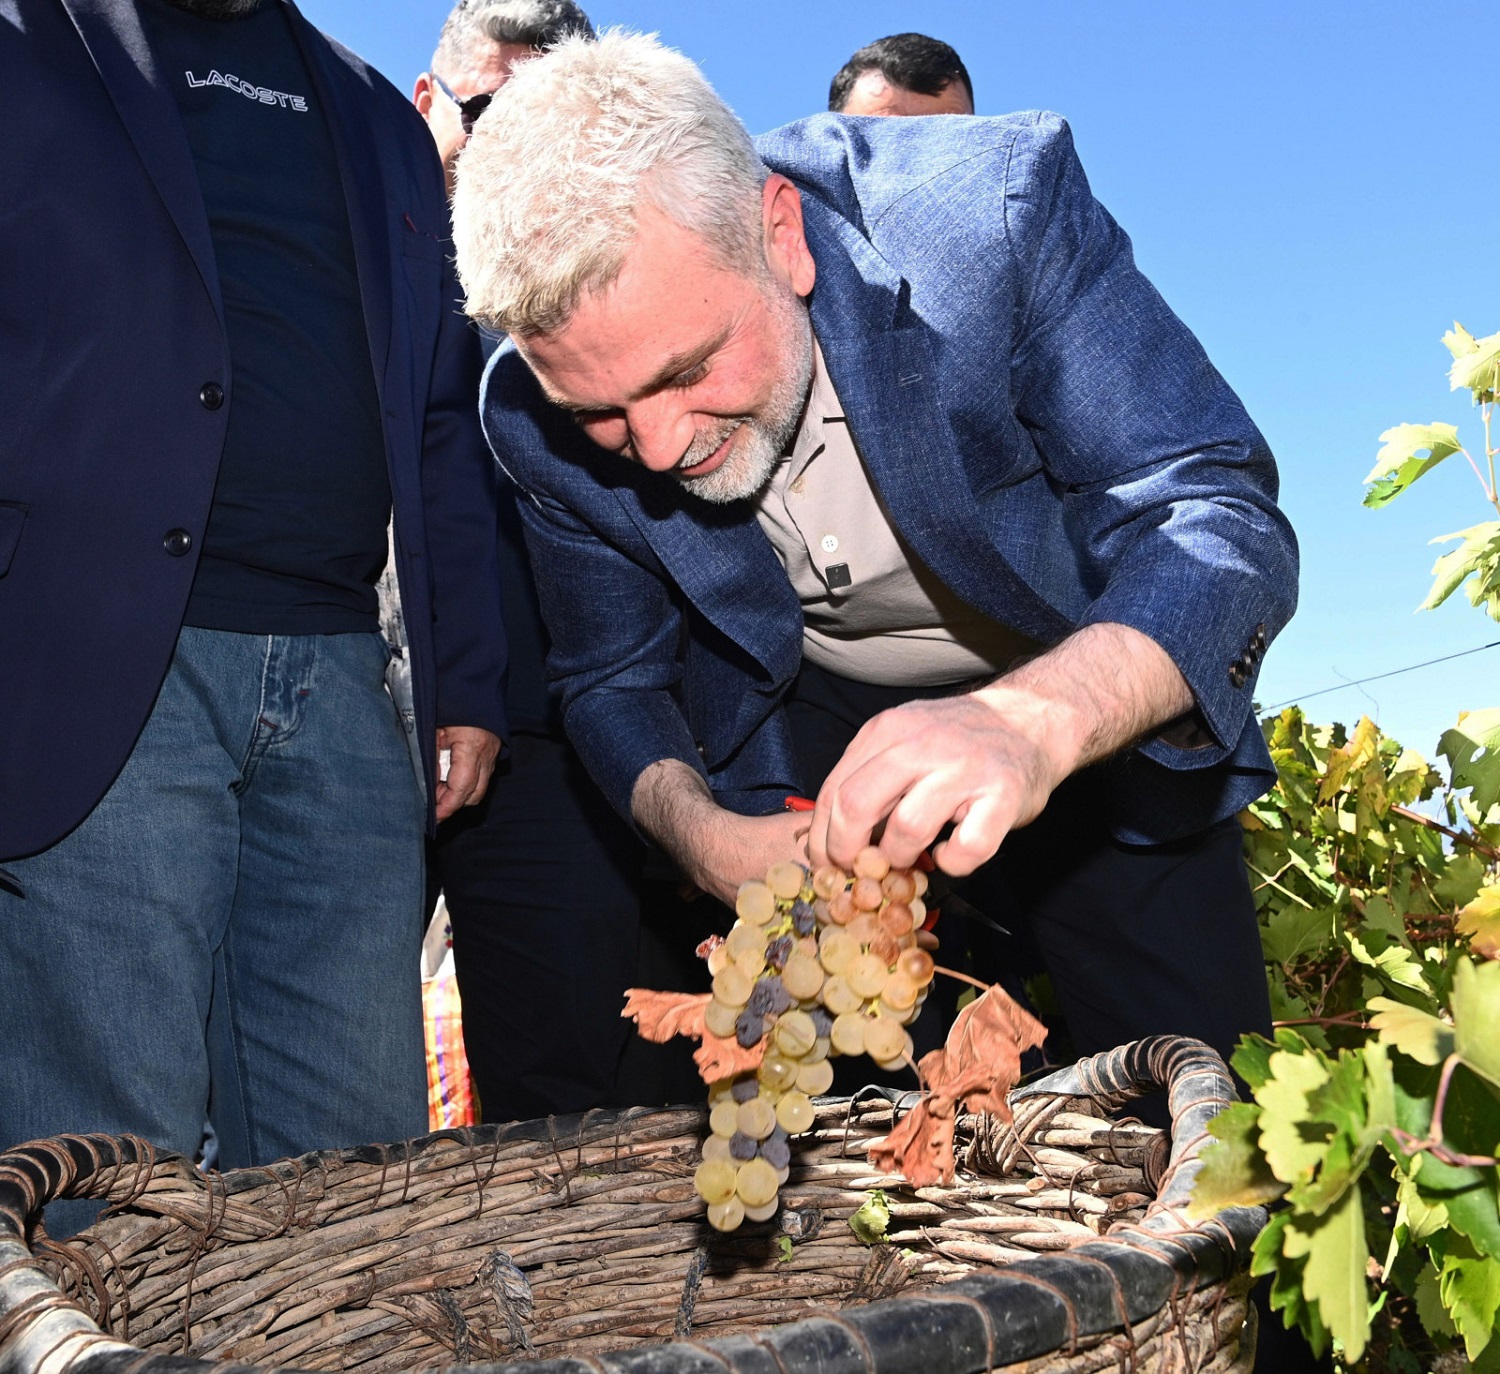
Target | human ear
(421,95)
(787,253)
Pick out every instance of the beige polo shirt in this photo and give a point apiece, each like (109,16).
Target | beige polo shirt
(872,610)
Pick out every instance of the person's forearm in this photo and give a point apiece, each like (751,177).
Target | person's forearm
(673,806)
(716,850)
(1092,695)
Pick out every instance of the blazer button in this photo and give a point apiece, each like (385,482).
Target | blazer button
(1237,674)
(212,395)
(177,542)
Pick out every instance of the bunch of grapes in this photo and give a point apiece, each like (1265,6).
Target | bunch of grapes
(816,965)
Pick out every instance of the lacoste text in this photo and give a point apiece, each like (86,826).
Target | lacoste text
(264,94)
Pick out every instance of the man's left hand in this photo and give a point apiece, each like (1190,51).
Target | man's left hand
(471,760)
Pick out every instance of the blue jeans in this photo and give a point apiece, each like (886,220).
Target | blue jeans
(234,931)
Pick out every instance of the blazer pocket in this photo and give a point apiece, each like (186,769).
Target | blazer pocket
(12,517)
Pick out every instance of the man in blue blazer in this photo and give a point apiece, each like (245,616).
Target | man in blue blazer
(932,505)
(230,349)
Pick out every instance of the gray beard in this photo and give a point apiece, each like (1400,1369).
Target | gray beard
(218,9)
(768,434)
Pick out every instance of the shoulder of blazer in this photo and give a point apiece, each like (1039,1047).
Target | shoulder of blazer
(862,168)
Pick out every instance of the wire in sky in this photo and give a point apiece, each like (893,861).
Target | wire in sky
(1395,672)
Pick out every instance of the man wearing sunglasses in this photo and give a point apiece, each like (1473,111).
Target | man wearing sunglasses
(480,42)
(542,875)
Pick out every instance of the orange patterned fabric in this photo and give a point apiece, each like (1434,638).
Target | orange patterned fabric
(451,1100)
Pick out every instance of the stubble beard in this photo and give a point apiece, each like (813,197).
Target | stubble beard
(767,434)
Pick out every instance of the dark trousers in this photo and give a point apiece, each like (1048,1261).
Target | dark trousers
(542,881)
(1138,940)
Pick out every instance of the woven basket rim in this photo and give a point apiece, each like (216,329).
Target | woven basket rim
(1034,1307)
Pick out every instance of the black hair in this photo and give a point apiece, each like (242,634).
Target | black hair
(912,61)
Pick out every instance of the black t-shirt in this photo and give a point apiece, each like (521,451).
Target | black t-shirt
(297,535)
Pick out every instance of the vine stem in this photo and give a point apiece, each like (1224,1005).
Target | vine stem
(1351,1019)
(1433,1145)
(1457,836)
(1479,476)
(1485,408)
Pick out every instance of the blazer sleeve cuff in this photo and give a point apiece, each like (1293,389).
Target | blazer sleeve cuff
(1220,659)
(621,734)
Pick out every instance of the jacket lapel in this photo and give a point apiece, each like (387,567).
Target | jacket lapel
(724,564)
(881,359)
(112,32)
(371,210)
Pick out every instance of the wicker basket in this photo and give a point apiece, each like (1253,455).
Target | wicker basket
(577,1244)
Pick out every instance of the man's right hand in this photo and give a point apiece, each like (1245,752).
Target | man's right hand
(716,849)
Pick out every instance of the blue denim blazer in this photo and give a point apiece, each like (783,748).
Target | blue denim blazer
(1045,433)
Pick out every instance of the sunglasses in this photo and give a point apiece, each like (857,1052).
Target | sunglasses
(468,110)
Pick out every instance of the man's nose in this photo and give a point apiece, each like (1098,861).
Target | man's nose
(660,433)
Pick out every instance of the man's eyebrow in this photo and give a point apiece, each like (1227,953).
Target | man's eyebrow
(672,368)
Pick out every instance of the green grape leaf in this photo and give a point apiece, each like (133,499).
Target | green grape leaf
(1350,759)
(1234,1172)
(1475,1212)
(784,1248)
(1476,1017)
(1460,880)
(1395,964)
(1476,369)
(1287,1297)
(1421,1216)
(1252,1059)
(1398,465)
(1470,1290)
(1334,1276)
(1357,1104)
(1478,556)
(1412,778)
(1471,1125)
(1292,1145)
(1458,341)
(870,1221)
(1293,931)
(1380,915)
(1430,1310)
(1424,1037)
(1479,920)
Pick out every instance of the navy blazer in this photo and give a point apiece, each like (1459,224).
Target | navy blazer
(1044,432)
(111,324)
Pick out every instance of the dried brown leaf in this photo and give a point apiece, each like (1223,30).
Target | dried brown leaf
(920,1147)
(978,1066)
(718,1058)
(661,1015)
(981,1061)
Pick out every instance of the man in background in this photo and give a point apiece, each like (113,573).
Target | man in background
(542,879)
(230,352)
(905,74)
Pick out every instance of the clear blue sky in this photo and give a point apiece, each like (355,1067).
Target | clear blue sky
(1312,188)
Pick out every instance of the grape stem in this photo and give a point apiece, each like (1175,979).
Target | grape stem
(962,977)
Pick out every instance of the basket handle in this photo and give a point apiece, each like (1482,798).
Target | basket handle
(1196,1081)
(71,1166)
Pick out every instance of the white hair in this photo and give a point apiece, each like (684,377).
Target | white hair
(550,183)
